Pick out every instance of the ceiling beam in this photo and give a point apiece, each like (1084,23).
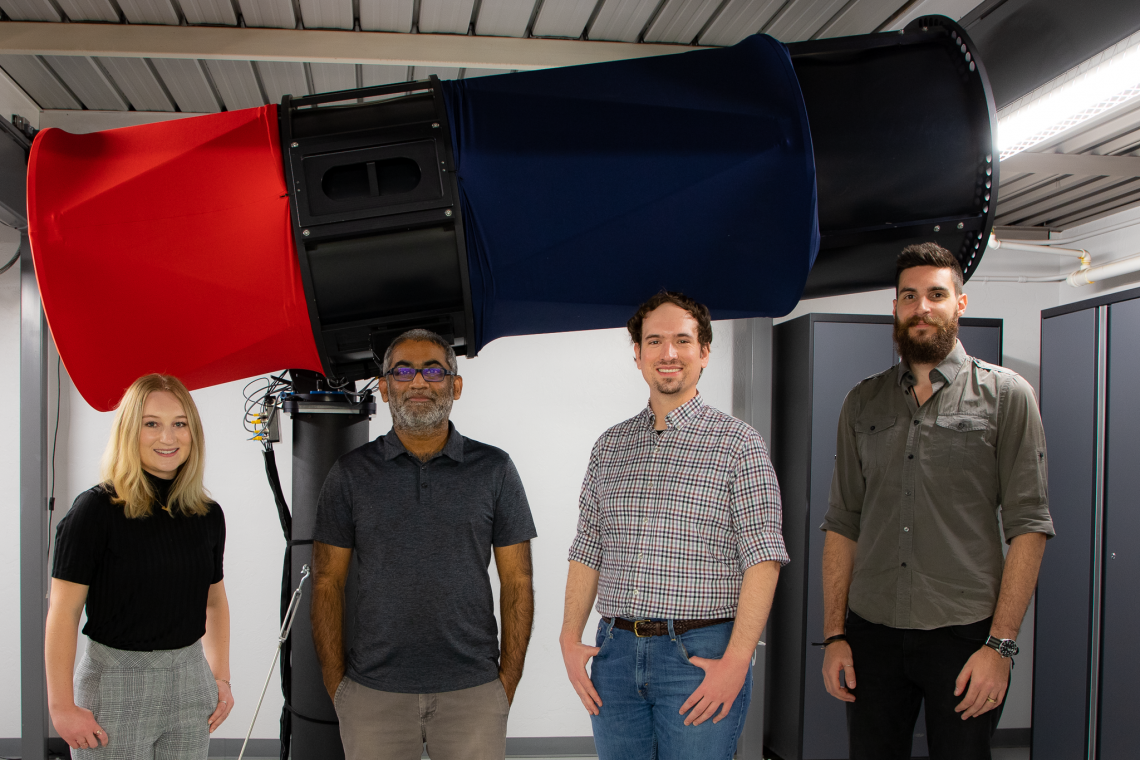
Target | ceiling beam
(313,45)
(1081,165)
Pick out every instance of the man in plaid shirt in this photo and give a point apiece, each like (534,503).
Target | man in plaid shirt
(679,538)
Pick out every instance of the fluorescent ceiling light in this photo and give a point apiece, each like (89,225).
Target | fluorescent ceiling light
(1101,83)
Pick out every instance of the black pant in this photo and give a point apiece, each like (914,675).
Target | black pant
(895,670)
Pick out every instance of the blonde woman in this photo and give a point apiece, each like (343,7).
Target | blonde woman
(143,551)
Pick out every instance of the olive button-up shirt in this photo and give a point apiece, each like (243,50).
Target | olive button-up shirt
(927,492)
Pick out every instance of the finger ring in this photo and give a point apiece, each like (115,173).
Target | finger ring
(224,702)
(991,699)
(98,731)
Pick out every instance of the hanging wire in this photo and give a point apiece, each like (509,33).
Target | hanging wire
(51,497)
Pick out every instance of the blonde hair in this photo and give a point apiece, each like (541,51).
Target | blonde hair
(122,471)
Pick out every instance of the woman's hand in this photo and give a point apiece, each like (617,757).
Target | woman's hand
(225,704)
(77,726)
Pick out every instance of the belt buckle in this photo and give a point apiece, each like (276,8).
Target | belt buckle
(637,633)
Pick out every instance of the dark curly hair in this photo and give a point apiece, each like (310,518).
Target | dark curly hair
(697,311)
(929,255)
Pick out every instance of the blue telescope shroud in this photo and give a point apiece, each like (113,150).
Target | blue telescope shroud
(584,190)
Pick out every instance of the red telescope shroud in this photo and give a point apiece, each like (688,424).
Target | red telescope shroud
(192,219)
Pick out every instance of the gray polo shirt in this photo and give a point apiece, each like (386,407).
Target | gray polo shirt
(928,491)
(421,535)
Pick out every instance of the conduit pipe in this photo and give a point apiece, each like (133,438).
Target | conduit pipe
(1086,275)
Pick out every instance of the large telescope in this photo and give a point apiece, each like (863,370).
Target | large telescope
(307,235)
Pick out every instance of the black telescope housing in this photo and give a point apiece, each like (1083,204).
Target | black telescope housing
(903,128)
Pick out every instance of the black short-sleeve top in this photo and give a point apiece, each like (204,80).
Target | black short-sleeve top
(148,578)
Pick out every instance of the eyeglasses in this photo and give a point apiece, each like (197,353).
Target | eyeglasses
(408,374)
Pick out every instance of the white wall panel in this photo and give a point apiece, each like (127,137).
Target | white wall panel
(236,84)
(326,14)
(374,75)
(149,12)
(473,73)
(37,80)
(30,10)
(504,18)
(209,12)
(333,77)
(801,19)
(87,81)
(443,72)
(277,14)
(89,10)
(281,78)
(187,84)
(622,20)
(563,18)
(447,16)
(681,20)
(386,15)
(138,83)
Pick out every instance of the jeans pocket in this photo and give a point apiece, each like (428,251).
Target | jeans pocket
(339,691)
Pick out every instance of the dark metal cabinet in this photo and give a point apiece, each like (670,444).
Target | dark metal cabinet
(1086,616)
(817,359)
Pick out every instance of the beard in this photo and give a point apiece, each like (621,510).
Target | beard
(931,350)
(421,418)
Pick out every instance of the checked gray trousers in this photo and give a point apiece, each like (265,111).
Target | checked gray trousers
(153,705)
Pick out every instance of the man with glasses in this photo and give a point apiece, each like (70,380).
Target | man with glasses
(679,538)
(422,507)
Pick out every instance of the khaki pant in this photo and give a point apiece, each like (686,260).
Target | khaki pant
(469,724)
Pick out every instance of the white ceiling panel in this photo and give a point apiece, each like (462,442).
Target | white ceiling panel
(681,20)
(277,14)
(37,80)
(89,10)
(149,12)
(739,19)
(862,17)
(504,18)
(333,77)
(801,19)
(187,83)
(954,9)
(443,72)
(138,83)
(88,82)
(622,20)
(563,18)
(281,78)
(374,75)
(326,14)
(236,84)
(30,10)
(447,16)
(209,12)
(386,15)
(473,73)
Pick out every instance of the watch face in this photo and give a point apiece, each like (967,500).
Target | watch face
(1008,648)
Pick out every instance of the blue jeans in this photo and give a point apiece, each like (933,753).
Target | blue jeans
(643,681)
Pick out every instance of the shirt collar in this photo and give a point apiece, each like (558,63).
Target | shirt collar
(676,418)
(394,447)
(948,368)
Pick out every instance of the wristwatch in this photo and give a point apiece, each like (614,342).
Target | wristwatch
(1004,647)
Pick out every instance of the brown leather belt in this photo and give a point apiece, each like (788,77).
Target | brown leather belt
(642,628)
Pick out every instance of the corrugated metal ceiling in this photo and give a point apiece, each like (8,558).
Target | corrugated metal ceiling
(1026,198)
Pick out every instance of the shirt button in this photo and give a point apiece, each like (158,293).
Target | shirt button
(908,493)
(904,564)
(645,521)
(916,422)
(906,530)
(635,592)
(910,456)
(423,485)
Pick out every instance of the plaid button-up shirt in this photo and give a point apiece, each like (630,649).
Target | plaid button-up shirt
(671,521)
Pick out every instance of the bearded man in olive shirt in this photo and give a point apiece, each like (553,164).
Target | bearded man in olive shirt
(936,458)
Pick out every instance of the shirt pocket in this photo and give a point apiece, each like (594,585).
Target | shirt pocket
(959,441)
(874,438)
